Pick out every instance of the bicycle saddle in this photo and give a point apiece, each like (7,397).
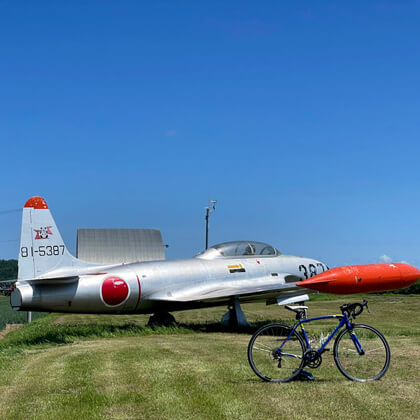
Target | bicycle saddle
(296,308)
(300,310)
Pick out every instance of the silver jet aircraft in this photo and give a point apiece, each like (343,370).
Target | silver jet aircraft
(51,279)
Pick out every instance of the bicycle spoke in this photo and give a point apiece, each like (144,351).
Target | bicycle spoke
(257,348)
(267,347)
(372,350)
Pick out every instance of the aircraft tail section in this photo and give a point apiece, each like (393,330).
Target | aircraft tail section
(41,247)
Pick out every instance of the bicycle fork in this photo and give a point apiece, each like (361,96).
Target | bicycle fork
(356,342)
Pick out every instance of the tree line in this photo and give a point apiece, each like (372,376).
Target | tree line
(8,269)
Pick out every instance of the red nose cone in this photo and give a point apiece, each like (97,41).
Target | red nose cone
(114,291)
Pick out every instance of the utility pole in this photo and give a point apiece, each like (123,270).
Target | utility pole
(209,209)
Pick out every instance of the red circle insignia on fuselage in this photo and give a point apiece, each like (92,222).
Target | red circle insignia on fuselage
(114,291)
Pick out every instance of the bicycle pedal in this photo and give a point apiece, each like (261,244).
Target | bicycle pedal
(323,351)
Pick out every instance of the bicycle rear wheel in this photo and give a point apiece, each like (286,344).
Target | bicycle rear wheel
(369,365)
(270,362)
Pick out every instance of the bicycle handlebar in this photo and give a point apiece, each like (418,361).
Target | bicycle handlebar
(354,309)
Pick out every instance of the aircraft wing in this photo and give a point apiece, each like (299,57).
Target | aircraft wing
(218,289)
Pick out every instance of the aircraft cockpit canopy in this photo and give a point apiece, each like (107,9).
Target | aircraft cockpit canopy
(239,249)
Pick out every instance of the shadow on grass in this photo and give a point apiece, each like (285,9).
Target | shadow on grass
(217,327)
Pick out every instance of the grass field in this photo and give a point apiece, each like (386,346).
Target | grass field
(113,367)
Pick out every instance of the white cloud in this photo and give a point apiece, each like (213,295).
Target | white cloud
(385,258)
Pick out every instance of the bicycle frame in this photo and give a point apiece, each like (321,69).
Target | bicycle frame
(344,321)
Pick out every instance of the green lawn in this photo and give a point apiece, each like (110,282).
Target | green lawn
(113,367)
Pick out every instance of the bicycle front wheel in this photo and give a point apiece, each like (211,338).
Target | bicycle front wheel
(362,354)
(273,355)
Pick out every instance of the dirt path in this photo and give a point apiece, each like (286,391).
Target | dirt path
(8,328)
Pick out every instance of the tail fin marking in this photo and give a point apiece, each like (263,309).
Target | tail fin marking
(41,247)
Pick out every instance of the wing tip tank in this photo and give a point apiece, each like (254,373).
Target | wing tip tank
(363,278)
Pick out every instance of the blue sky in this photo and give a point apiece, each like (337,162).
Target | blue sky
(300,118)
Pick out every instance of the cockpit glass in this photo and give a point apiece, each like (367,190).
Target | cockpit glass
(239,249)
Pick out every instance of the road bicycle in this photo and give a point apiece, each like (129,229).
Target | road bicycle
(279,353)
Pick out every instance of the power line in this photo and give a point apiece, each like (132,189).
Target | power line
(10,211)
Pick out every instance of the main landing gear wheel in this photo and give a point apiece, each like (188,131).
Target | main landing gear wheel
(272,363)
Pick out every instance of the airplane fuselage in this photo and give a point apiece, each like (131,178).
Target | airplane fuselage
(168,285)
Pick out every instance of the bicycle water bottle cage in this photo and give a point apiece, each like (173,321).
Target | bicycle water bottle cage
(300,310)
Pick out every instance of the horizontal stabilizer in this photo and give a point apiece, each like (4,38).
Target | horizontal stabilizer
(51,280)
